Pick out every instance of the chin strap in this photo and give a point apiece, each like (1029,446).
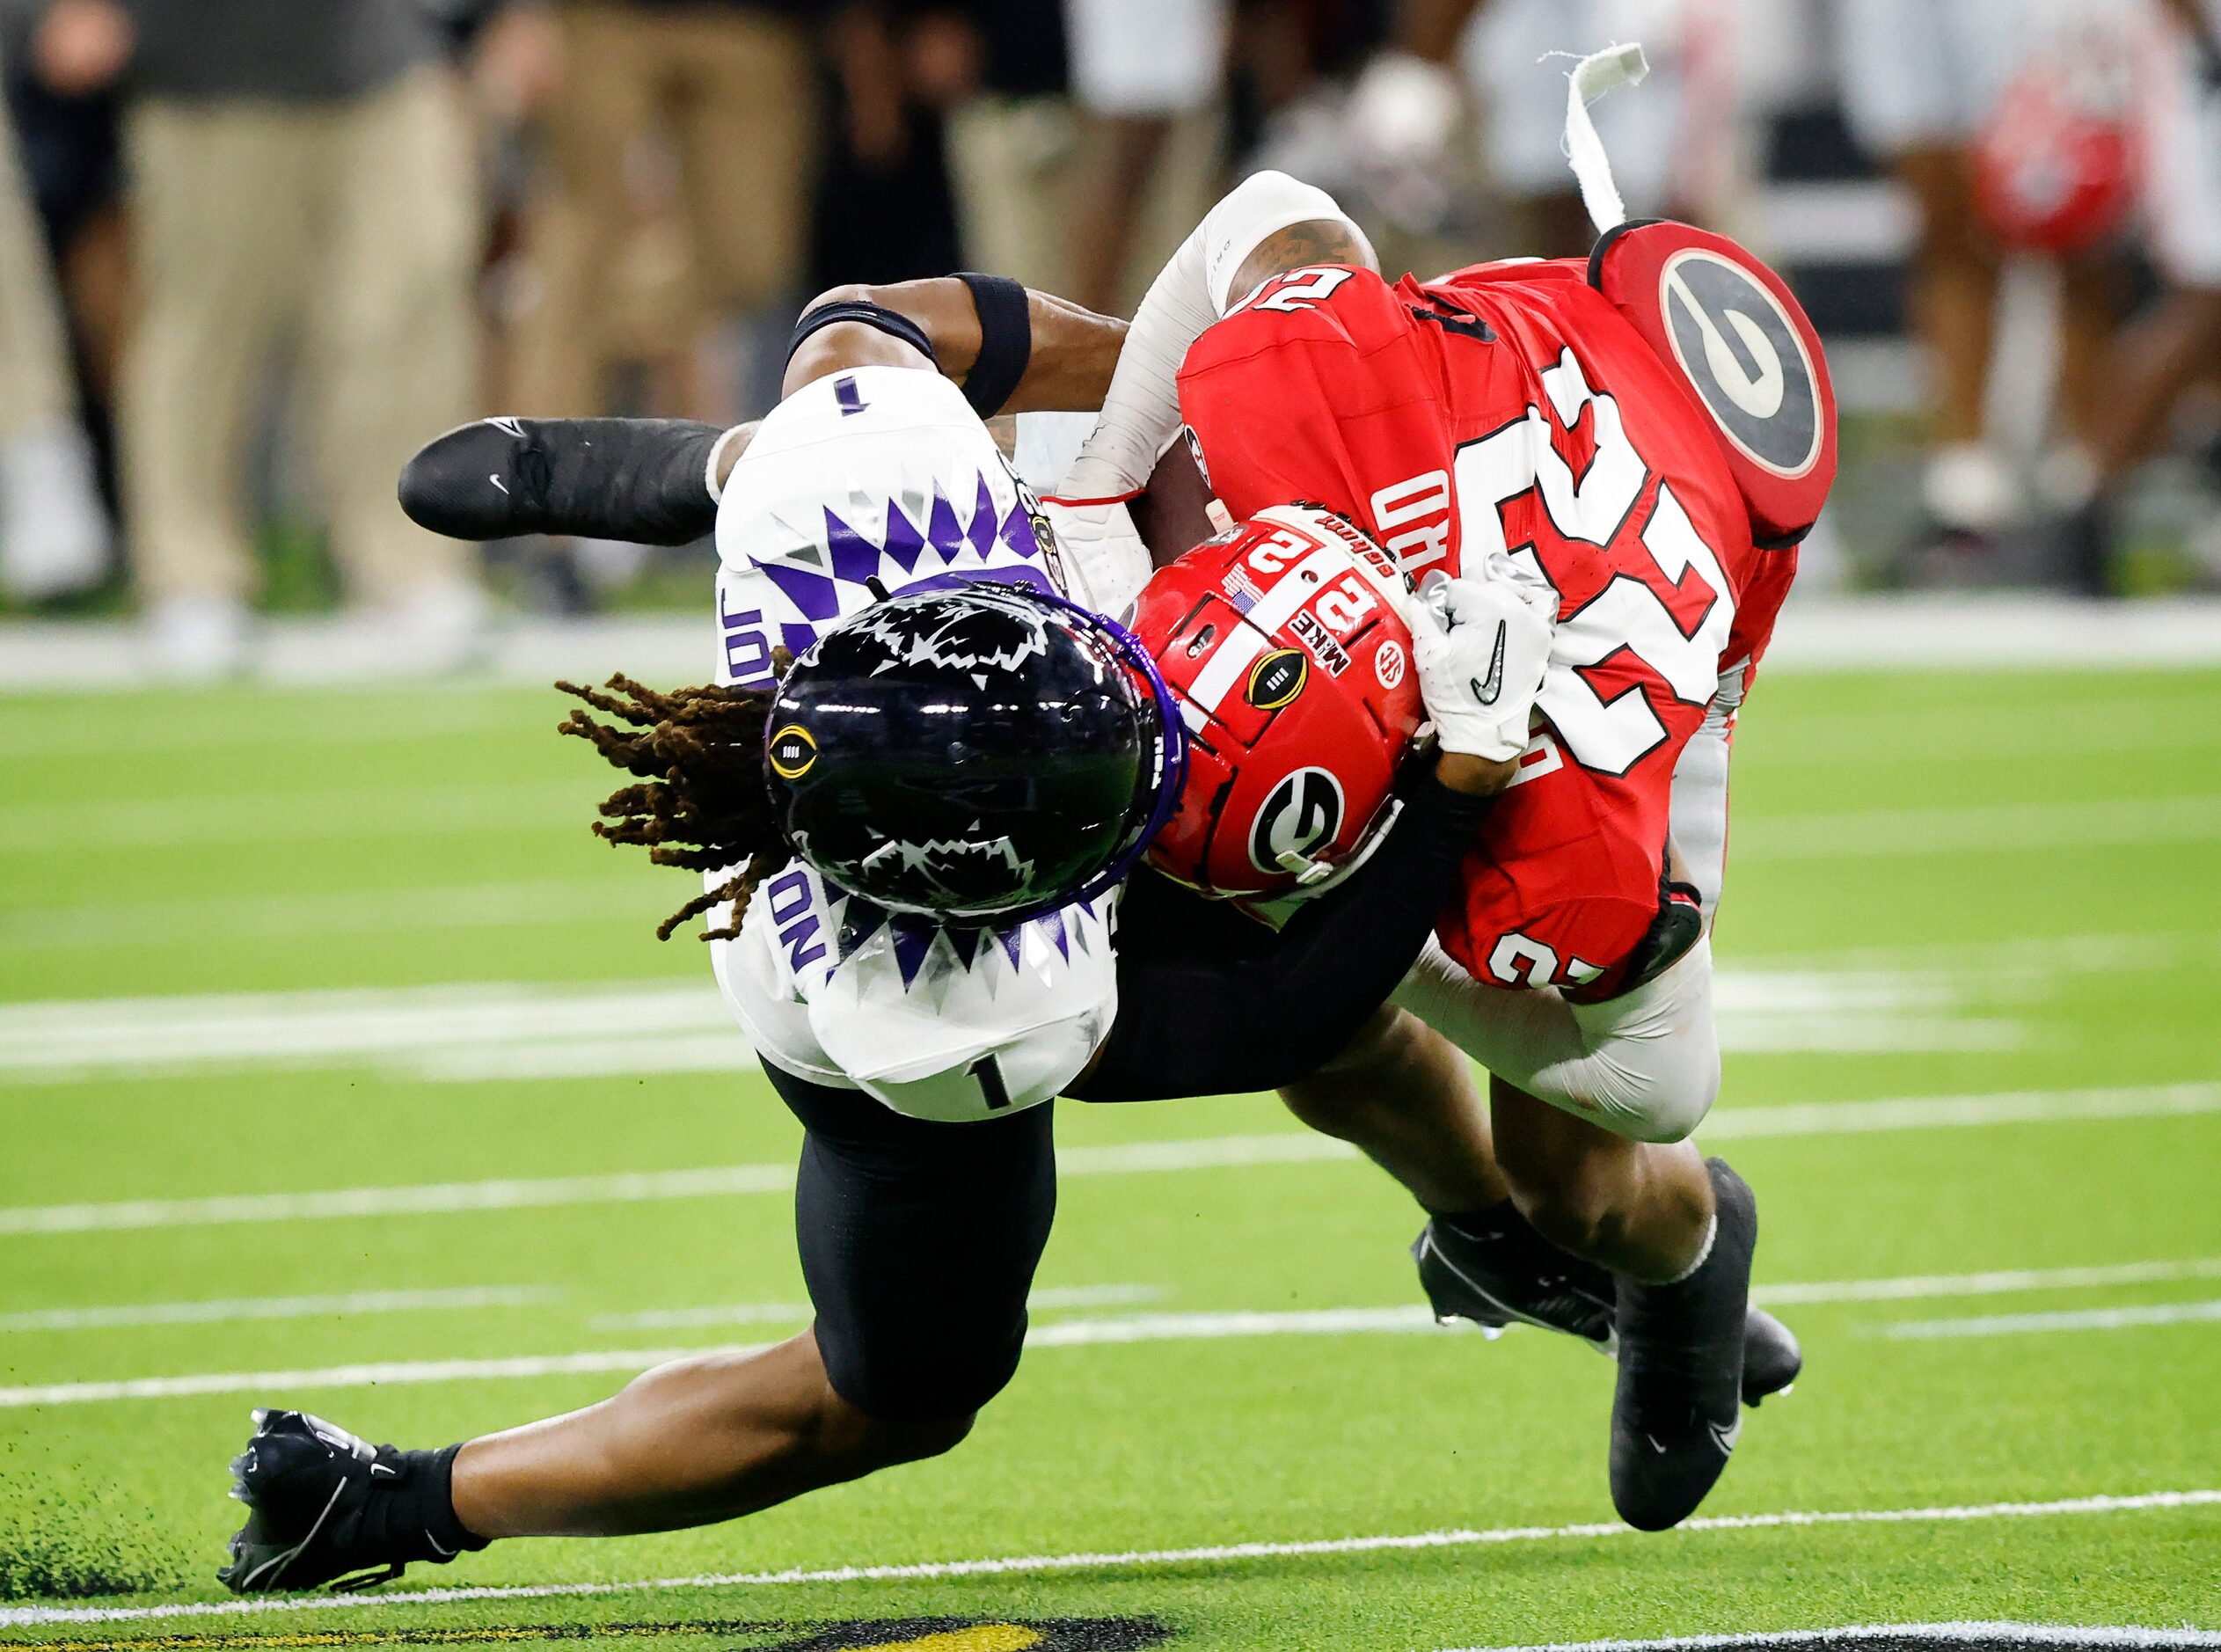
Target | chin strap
(1592,77)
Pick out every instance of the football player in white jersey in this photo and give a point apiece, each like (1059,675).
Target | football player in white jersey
(873,526)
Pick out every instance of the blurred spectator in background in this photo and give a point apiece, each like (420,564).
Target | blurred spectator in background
(53,532)
(2179,343)
(1673,147)
(726,93)
(1921,80)
(1014,143)
(299,169)
(1149,76)
(885,207)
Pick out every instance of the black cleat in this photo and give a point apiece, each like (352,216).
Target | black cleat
(324,1507)
(1496,1271)
(1771,1357)
(1676,1412)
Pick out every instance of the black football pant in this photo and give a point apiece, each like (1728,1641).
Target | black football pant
(918,1242)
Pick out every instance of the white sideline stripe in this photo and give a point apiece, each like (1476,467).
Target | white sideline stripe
(1284,1147)
(2077,1319)
(2002,1281)
(1979,1633)
(1005,1566)
(1118,1328)
(223,1310)
(1984,827)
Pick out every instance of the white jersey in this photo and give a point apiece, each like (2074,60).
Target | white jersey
(865,484)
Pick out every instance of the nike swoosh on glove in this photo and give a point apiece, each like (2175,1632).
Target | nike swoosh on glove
(1481,647)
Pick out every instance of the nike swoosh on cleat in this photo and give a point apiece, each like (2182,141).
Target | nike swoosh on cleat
(443,1552)
(1725,1438)
(1654,1445)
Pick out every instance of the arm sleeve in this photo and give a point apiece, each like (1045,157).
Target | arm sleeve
(638,479)
(1220,1021)
(1141,410)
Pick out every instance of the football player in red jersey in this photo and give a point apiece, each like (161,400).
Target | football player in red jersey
(1645,434)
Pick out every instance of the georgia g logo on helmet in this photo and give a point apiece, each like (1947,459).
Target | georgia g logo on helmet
(1302,811)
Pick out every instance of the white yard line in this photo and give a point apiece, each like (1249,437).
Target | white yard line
(1946,1112)
(1285,1147)
(1985,1634)
(1207,1152)
(1000,1566)
(1113,1329)
(339,912)
(524,1030)
(1910,1287)
(1048,1298)
(233,1310)
(1978,829)
(290,816)
(2125,1318)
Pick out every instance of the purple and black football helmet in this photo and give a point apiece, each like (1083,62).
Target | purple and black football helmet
(979,753)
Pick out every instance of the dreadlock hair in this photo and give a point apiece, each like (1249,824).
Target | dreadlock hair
(701,802)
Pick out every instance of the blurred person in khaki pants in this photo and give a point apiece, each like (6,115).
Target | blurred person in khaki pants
(54,534)
(730,87)
(299,167)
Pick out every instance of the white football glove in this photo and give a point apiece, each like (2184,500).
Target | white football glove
(1481,647)
(1104,561)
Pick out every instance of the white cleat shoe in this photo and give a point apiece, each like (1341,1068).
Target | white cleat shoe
(197,639)
(54,537)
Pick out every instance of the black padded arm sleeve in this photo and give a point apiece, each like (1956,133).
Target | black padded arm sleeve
(1005,340)
(1246,1014)
(638,479)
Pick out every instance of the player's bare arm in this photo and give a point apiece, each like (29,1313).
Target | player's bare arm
(656,481)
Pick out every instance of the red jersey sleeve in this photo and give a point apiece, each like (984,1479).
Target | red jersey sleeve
(1316,388)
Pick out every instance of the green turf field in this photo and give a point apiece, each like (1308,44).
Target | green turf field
(260,949)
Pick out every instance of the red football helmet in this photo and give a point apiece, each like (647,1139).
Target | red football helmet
(1283,644)
(2056,166)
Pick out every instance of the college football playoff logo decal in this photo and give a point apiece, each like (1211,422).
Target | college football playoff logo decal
(1744,358)
(1300,815)
(792,749)
(1278,678)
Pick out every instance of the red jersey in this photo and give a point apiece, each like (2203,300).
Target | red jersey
(1509,409)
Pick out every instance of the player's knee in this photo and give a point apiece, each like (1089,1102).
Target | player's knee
(1330,1100)
(1675,1102)
(884,1443)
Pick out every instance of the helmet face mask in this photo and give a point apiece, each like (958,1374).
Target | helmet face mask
(1285,644)
(978,754)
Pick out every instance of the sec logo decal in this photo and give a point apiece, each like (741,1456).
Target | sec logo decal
(1301,813)
(1278,678)
(1388,664)
(792,749)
